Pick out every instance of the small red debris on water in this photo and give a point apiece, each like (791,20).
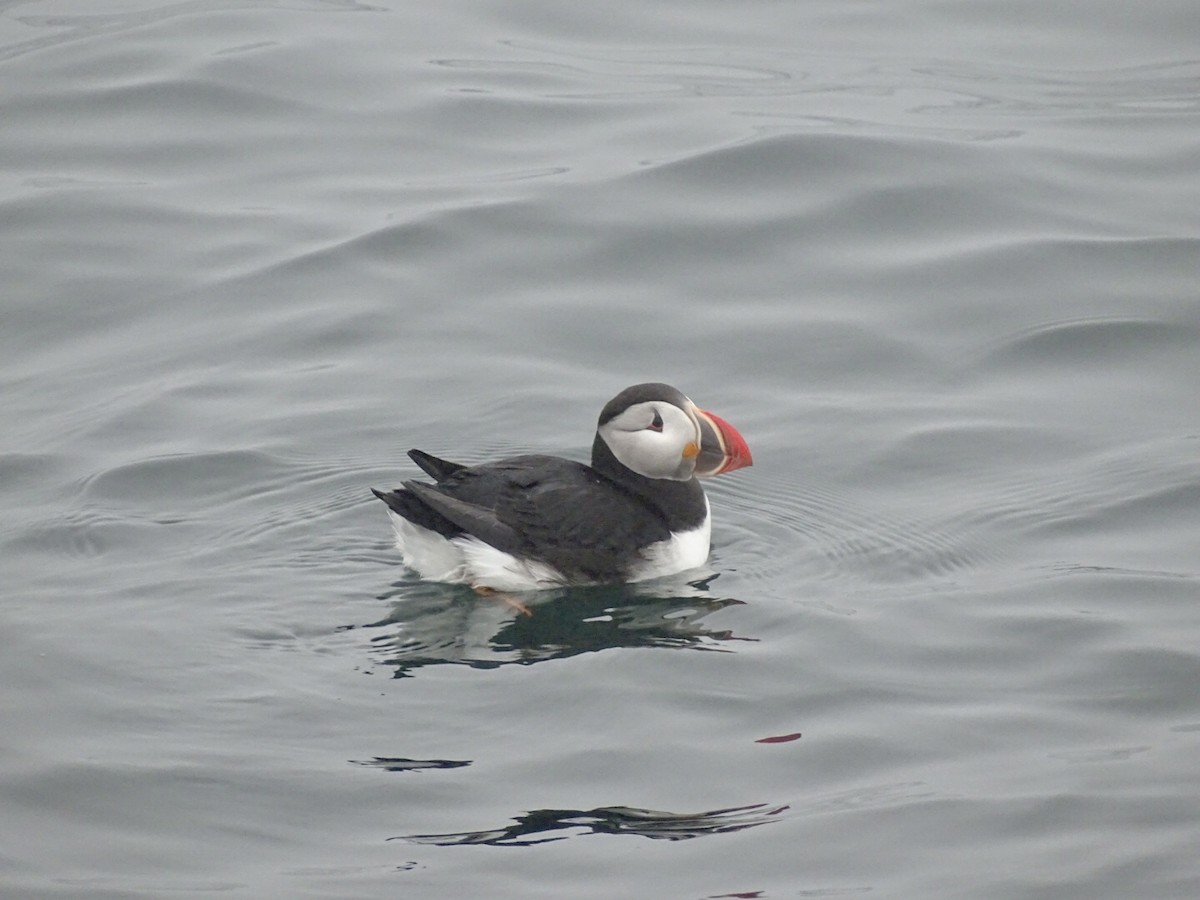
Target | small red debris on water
(779,739)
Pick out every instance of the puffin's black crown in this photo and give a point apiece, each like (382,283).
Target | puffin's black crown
(641,393)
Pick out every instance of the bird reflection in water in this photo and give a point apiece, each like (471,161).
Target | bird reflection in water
(436,624)
(537,827)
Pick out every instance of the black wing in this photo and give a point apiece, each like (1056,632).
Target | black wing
(542,507)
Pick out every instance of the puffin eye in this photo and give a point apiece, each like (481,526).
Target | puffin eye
(656,424)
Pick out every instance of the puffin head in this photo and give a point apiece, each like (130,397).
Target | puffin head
(654,430)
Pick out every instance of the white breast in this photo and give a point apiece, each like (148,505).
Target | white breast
(681,551)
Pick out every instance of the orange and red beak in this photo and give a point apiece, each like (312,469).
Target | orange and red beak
(722,449)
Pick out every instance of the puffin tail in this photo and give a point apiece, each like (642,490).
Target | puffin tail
(437,469)
(408,505)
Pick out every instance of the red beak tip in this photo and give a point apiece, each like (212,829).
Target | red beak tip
(737,452)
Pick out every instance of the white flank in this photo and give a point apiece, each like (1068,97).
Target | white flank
(428,553)
(489,567)
(468,560)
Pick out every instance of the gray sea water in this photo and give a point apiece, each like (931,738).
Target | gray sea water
(938,261)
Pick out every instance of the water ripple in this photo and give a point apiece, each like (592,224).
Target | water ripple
(778,525)
(1089,342)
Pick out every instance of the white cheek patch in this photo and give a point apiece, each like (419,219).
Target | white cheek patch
(653,454)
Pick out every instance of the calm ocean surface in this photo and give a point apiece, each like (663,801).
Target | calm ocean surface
(938,261)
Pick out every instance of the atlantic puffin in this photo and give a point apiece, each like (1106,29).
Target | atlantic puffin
(537,522)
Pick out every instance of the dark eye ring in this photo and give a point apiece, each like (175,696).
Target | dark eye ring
(656,425)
